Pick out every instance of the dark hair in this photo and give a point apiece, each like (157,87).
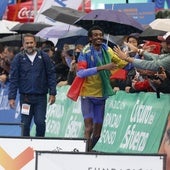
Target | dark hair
(94,28)
(28,35)
(135,36)
(49,43)
(48,48)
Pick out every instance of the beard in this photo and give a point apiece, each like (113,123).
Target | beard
(30,50)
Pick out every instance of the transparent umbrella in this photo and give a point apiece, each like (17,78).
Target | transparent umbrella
(162,24)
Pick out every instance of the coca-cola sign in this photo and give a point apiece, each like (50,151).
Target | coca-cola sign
(22,12)
(25,13)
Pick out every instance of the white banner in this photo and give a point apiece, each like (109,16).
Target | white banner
(77,161)
(19,153)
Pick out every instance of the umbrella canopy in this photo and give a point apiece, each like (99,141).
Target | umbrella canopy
(112,22)
(161,24)
(4,30)
(73,37)
(9,24)
(16,40)
(56,31)
(151,34)
(80,37)
(29,27)
(63,14)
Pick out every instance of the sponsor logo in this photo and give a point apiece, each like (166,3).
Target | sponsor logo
(25,13)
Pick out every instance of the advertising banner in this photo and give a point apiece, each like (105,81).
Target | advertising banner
(57,161)
(11,2)
(3,5)
(64,118)
(22,12)
(144,13)
(9,116)
(134,123)
(19,153)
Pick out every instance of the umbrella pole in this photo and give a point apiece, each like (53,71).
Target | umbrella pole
(107,39)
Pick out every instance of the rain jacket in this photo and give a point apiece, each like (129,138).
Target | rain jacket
(37,77)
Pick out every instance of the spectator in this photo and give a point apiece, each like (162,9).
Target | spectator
(129,69)
(61,67)
(67,53)
(151,61)
(140,82)
(161,82)
(73,66)
(32,73)
(4,67)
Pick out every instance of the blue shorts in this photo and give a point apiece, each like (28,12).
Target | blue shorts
(93,108)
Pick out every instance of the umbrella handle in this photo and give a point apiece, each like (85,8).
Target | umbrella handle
(107,39)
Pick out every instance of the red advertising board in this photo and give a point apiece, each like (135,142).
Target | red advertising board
(22,12)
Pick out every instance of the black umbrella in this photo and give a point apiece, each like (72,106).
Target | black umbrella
(16,40)
(112,22)
(80,37)
(151,34)
(63,14)
(29,27)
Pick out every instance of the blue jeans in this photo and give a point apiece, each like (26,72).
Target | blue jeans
(38,108)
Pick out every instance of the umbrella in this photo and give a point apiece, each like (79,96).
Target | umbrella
(63,14)
(80,37)
(9,24)
(16,40)
(4,31)
(161,24)
(151,34)
(112,22)
(56,31)
(73,37)
(29,27)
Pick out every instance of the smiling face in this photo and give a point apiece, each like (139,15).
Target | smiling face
(97,37)
(29,44)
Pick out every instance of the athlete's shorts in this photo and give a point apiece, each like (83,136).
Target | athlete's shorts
(93,108)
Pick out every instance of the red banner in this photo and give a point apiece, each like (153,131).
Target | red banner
(22,12)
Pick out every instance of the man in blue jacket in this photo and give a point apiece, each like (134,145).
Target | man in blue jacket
(33,74)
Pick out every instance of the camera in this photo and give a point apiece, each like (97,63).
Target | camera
(153,77)
(76,54)
(156,77)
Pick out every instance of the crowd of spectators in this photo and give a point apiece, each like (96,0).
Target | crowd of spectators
(148,65)
(135,79)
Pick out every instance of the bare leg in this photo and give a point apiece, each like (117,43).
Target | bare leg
(88,122)
(96,133)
